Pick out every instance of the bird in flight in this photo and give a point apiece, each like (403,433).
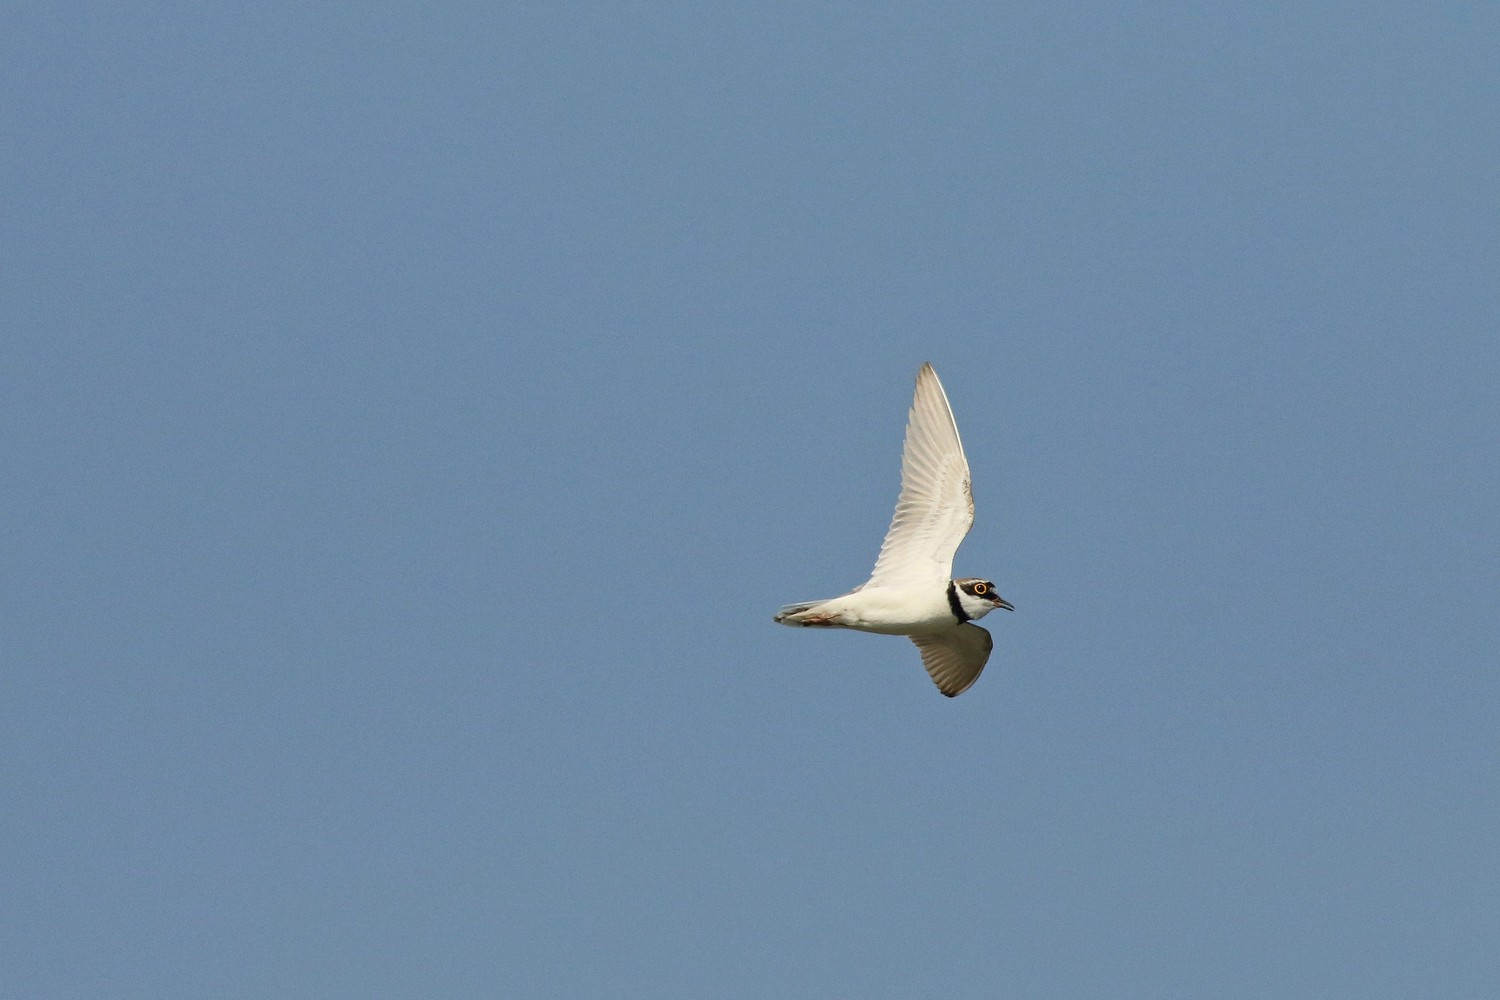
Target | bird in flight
(911,592)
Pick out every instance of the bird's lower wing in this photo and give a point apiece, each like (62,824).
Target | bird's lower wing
(955,657)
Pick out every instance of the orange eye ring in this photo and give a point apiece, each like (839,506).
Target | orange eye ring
(980,589)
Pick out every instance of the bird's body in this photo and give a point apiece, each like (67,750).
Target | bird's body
(910,592)
(897,610)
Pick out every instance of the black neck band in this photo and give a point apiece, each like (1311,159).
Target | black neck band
(953,602)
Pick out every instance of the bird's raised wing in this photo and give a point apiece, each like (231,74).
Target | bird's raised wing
(935,508)
(954,657)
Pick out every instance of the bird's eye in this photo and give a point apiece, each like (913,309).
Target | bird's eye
(979,589)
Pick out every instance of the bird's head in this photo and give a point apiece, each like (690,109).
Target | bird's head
(978,597)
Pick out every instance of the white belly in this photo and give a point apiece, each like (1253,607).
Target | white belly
(892,610)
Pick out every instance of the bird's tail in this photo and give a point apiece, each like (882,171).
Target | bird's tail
(805,613)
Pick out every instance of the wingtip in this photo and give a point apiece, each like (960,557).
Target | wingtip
(929,373)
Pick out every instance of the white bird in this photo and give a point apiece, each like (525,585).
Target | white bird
(911,592)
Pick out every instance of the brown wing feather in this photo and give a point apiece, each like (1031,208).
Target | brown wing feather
(954,658)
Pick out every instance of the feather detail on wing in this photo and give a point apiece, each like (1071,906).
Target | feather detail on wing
(955,657)
(936,508)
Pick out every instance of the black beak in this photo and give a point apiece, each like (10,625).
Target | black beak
(1001,602)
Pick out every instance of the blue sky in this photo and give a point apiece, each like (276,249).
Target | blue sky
(414,415)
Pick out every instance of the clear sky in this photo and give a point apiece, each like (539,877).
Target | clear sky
(414,414)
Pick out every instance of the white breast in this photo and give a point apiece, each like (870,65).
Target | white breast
(893,610)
